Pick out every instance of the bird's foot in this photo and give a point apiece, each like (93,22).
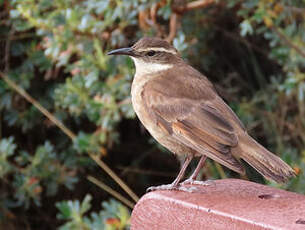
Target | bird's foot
(197,182)
(170,187)
(163,187)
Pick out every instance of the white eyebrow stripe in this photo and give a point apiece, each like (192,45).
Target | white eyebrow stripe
(157,49)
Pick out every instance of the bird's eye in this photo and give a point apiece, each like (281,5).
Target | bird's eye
(151,53)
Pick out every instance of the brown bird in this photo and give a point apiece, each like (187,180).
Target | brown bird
(182,110)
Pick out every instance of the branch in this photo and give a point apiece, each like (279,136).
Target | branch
(114,176)
(20,36)
(288,42)
(193,5)
(177,9)
(111,191)
(153,15)
(7,51)
(70,134)
(295,9)
(45,112)
(172,27)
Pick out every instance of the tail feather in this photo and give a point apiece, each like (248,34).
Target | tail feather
(269,165)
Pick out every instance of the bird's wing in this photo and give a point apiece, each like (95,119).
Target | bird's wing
(191,111)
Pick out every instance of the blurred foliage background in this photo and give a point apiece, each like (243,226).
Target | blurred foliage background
(65,105)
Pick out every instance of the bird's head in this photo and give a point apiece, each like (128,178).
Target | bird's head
(150,55)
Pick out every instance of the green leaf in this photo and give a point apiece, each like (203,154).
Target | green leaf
(85,206)
(246,28)
(65,211)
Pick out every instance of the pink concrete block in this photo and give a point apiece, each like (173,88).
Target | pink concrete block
(225,204)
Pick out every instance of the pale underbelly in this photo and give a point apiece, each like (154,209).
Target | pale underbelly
(157,133)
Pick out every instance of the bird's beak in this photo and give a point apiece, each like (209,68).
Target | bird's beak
(123,51)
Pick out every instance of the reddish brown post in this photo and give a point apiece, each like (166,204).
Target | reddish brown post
(225,204)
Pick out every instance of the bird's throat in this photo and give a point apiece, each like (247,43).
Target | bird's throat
(143,68)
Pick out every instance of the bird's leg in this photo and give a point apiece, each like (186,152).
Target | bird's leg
(175,184)
(192,178)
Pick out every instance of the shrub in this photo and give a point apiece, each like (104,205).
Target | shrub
(56,51)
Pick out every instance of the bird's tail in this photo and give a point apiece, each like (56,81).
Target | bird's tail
(269,165)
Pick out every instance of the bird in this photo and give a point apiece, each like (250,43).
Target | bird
(182,110)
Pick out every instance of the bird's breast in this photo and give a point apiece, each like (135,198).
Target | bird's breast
(149,120)
(146,118)
(138,104)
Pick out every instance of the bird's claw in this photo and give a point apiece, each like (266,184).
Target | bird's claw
(197,182)
(162,187)
(171,187)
